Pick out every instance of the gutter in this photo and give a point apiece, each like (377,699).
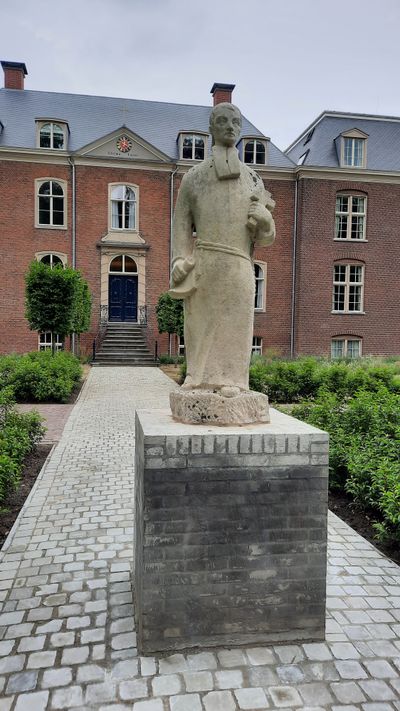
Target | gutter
(294,259)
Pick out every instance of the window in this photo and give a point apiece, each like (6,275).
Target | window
(256,348)
(348,287)
(46,343)
(350,217)
(52,260)
(52,135)
(193,146)
(181,346)
(260,287)
(50,204)
(123,207)
(346,348)
(123,264)
(254,152)
(353,152)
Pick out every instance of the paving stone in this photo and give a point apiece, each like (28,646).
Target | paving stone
(378,690)
(290,674)
(90,672)
(380,669)
(124,641)
(260,656)
(251,698)
(173,664)
(315,693)
(317,651)
(218,701)
(24,681)
(284,696)
(188,702)
(98,693)
(136,689)
(231,658)
(125,669)
(62,639)
(57,677)
(37,701)
(348,692)
(202,661)
(6,647)
(67,698)
(39,660)
(344,650)
(289,654)
(148,666)
(166,685)
(377,706)
(150,705)
(12,664)
(75,655)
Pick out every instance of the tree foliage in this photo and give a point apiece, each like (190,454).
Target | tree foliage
(57,300)
(169,315)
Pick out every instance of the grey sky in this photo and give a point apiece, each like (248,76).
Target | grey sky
(289,59)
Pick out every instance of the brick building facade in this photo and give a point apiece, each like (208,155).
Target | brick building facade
(91,181)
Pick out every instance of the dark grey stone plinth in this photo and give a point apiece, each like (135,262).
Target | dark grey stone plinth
(230,532)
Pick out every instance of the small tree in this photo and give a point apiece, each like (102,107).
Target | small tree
(169,316)
(56,300)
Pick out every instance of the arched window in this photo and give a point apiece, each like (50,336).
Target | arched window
(260,286)
(52,260)
(123,207)
(123,265)
(346,347)
(254,152)
(350,216)
(52,135)
(50,204)
(348,288)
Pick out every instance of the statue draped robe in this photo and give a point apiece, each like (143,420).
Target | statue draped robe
(219,313)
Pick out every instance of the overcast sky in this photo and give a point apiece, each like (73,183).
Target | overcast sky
(289,59)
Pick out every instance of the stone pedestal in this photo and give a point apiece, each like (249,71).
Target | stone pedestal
(230,532)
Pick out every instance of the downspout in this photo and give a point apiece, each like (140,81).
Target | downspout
(171,231)
(73,228)
(294,259)
(171,214)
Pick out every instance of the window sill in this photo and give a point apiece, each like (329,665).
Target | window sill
(51,227)
(259,311)
(349,240)
(348,313)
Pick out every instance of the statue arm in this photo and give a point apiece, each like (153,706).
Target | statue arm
(182,240)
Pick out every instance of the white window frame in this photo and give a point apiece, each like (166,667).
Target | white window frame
(63,257)
(260,286)
(63,183)
(130,230)
(348,284)
(345,340)
(350,214)
(45,342)
(254,141)
(181,346)
(257,345)
(353,135)
(40,124)
(120,254)
(193,135)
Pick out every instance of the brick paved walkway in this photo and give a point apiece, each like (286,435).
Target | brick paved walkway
(67,637)
(55,418)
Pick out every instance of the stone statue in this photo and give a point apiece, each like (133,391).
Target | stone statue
(222,212)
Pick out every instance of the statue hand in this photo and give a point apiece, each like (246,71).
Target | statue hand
(181,269)
(261,215)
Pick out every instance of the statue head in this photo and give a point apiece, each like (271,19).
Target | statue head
(225,124)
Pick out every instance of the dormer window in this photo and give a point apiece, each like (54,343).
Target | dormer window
(192,146)
(353,149)
(52,134)
(254,152)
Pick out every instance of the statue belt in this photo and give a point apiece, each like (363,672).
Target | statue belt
(216,247)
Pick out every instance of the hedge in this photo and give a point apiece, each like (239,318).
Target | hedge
(40,376)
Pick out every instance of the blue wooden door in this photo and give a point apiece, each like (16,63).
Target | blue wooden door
(123,291)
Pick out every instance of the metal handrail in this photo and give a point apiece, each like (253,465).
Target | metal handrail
(98,339)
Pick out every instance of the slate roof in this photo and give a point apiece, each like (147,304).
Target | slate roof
(92,117)
(383,142)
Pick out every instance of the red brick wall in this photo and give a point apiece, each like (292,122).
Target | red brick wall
(20,240)
(317,252)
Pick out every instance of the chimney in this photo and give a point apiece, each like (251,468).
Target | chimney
(14,74)
(222,92)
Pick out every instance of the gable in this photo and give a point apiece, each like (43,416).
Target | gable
(125,145)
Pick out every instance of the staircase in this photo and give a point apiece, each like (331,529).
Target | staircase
(124,344)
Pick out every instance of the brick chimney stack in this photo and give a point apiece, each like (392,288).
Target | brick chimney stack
(14,74)
(222,92)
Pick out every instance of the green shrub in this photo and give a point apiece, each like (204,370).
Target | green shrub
(19,434)
(364,448)
(40,376)
(166,359)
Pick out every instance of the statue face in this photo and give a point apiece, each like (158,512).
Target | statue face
(225,125)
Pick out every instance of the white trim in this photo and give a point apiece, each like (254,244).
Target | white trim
(123,255)
(40,123)
(47,343)
(61,255)
(64,185)
(193,135)
(347,284)
(350,214)
(257,349)
(254,139)
(263,267)
(345,340)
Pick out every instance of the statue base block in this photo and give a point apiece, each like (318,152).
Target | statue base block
(230,533)
(206,407)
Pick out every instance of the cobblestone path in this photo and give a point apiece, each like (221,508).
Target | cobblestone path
(67,638)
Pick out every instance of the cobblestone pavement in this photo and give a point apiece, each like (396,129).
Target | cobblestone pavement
(67,638)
